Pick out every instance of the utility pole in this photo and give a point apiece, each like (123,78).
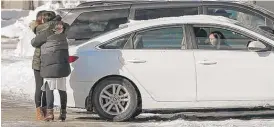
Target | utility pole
(31,5)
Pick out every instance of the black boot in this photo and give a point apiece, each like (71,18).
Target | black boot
(63,115)
(50,115)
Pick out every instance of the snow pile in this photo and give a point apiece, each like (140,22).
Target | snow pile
(20,29)
(10,16)
(17,77)
(70,3)
(7,14)
(225,123)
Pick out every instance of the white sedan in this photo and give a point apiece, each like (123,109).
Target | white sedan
(187,62)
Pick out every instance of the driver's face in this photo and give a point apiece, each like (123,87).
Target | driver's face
(213,41)
(39,19)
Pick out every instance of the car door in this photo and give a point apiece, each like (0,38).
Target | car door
(160,64)
(231,72)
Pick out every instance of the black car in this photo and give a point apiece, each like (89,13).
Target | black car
(91,19)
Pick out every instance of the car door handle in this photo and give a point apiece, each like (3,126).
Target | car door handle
(136,61)
(206,62)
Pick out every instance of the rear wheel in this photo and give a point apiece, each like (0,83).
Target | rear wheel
(115,99)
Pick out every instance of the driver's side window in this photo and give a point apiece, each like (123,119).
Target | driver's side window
(220,39)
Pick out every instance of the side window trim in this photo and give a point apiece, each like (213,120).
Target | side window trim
(157,28)
(129,44)
(189,39)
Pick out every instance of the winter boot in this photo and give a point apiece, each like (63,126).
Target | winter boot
(50,115)
(63,115)
(39,114)
(44,110)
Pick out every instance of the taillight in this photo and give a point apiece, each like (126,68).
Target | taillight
(73,59)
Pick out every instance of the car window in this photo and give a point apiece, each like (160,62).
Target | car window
(145,14)
(90,24)
(247,17)
(118,43)
(225,39)
(164,38)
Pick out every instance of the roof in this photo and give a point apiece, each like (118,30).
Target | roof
(183,19)
(108,3)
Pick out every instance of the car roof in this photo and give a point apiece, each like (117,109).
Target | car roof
(110,3)
(183,19)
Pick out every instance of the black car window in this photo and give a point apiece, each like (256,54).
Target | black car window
(90,24)
(164,38)
(244,16)
(145,14)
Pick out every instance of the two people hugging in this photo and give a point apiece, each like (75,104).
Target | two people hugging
(50,63)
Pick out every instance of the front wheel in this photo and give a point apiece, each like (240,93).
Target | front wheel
(115,99)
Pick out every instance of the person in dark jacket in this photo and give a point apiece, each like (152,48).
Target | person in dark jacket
(40,97)
(51,38)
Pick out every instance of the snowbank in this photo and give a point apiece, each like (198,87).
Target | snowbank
(10,16)
(22,31)
(7,14)
(225,123)
(17,77)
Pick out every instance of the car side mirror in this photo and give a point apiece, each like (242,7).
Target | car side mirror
(267,28)
(256,46)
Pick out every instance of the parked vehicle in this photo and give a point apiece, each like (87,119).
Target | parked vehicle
(167,63)
(94,18)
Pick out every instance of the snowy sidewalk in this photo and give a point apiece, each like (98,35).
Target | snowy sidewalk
(19,112)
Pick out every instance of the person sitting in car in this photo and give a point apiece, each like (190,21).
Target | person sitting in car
(217,40)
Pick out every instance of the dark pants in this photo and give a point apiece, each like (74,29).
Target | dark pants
(40,96)
(50,98)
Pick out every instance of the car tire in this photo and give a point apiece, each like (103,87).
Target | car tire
(138,112)
(88,105)
(103,99)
